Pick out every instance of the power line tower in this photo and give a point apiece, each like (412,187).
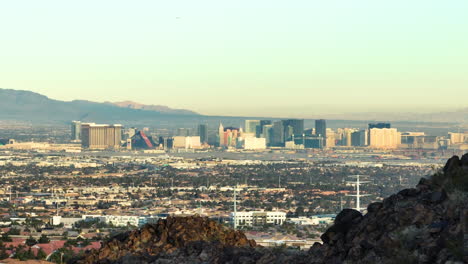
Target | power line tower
(357,184)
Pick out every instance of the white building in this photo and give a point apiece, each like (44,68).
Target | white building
(186,142)
(254,143)
(313,220)
(120,220)
(67,222)
(257,218)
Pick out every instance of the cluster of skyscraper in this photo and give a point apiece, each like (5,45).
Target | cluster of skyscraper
(258,134)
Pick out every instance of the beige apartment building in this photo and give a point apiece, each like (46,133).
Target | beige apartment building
(385,138)
(101,136)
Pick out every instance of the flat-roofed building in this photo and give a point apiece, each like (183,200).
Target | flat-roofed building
(385,138)
(186,142)
(254,143)
(257,218)
(101,136)
(76,130)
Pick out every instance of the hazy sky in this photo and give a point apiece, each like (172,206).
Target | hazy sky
(241,57)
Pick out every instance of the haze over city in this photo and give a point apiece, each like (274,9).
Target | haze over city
(241,58)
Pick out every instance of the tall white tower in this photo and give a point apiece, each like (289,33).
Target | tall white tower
(358,194)
(221,135)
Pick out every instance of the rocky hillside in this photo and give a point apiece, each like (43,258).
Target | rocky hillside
(424,224)
(185,236)
(418,225)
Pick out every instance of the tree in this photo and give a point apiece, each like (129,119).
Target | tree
(62,255)
(14,231)
(43,239)
(5,238)
(299,211)
(31,241)
(3,254)
(41,254)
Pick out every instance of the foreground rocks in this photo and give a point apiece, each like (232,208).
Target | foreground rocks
(186,235)
(418,225)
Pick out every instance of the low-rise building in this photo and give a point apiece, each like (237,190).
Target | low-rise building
(257,218)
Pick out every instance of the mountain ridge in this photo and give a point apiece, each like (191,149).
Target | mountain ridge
(158,108)
(21,105)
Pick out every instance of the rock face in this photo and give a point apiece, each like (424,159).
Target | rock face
(417,225)
(187,235)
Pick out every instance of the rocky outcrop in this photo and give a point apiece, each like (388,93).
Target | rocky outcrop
(186,234)
(418,225)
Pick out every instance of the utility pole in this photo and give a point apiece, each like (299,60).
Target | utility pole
(279,180)
(358,194)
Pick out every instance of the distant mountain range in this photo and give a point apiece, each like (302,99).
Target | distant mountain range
(157,108)
(34,108)
(459,116)
(18,105)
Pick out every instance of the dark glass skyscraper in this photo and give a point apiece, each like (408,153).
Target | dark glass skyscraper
(203,133)
(278,134)
(297,127)
(379,125)
(259,128)
(321,129)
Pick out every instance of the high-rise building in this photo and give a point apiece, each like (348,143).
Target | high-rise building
(101,136)
(268,134)
(221,135)
(297,126)
(379,125)
(183,132)
(228,136)
(386,138)
(166,142)
(330,140)
(343,136)
(186,142)
(457,138)
(277,137)
(251,126)
(359,138)
(254,143)
(203,133)
(321,129)
(259,129)
(76,130)
(309,141)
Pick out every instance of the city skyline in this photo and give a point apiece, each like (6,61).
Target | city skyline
(268,59)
